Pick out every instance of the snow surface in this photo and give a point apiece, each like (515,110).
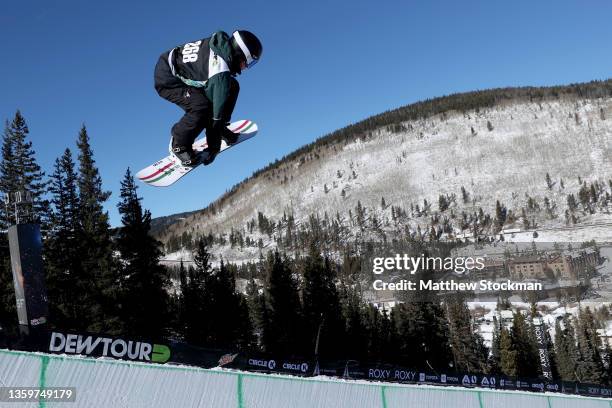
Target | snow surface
(120,384)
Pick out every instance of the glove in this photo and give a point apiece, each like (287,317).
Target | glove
(214,135)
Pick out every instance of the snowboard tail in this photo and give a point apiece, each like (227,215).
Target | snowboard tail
(169,170)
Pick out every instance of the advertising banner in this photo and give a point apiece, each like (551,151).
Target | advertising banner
(105,346)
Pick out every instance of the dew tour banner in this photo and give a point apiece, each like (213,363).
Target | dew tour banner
(105,346)
(100,345)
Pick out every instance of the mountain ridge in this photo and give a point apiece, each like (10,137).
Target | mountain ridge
(410,121)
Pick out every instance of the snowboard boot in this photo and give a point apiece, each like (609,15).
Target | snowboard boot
(230,137)
(211,157)
(186,155)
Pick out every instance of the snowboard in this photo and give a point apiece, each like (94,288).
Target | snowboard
(169,170)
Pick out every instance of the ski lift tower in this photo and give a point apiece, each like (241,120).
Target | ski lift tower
(25,244)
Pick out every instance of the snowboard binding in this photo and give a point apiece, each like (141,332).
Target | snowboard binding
(186,155)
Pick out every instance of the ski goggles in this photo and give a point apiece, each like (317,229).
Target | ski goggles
(250,60)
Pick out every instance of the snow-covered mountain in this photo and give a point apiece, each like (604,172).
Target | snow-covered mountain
(500,151)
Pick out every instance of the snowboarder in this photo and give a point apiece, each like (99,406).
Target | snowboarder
(200,78)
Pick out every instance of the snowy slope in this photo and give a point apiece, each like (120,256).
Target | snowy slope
(501,153)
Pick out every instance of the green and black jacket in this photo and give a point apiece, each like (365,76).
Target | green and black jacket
(209,64)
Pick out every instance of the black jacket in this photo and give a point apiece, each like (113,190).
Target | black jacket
(209,63)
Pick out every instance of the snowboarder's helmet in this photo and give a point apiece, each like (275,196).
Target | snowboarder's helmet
(249,46)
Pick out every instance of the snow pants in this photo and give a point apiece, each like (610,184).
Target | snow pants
(198,108)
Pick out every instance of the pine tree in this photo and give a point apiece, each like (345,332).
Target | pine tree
(589,367)
(465,195)
(144,282)
(608,362)
(257,310)
(571,202)
(228,312)
(176,297)
(7,183)
(443,203)
(436,335)
(321,306)
(500,214)
(495,357)
(354,316)
(96,244)
(360,213)
(508,355)
(213,314)
(245,329)
(377,329)
(394,340)
(468,347)
(8,173)
(65,199)
(19,172)
(549,183)
(282,332)
(552,354)
(524,344)
(66,280)
(422,335)
(194,322)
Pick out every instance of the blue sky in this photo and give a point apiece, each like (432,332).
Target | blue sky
(325,65)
